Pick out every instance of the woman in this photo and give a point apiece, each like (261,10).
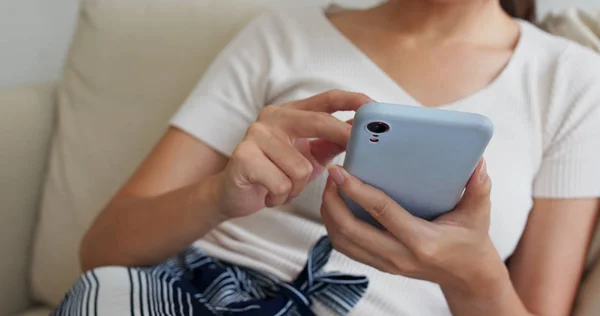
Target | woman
(244,182)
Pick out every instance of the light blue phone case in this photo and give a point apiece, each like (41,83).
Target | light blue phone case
(423,161)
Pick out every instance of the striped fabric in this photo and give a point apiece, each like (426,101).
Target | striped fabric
(196,284)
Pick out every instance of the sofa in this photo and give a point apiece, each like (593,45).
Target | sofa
(67,146)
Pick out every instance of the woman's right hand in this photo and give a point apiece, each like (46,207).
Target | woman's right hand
(277,158)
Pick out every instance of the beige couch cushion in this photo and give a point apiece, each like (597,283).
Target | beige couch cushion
(577,25)
(588,302)
(36,312)
(132,63)
(26,121)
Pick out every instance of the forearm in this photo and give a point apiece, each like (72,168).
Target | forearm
(492,294)
(145,231)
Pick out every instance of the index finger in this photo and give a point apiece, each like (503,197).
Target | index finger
(331,101)
(306,124)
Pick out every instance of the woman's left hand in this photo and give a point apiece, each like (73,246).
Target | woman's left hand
(454,250)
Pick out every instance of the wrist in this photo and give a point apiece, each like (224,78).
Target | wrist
(493,299)
(210,190)
(490,292)
(485,276)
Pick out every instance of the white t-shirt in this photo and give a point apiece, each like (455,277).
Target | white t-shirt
(545,106)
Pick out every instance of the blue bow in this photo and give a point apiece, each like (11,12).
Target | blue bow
(338,291)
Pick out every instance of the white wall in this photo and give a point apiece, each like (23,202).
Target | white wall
(35,35)
(546,5)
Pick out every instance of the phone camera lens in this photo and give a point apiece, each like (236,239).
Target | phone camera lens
(377,127)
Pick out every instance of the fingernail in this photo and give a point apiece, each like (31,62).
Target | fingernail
(482,171)
(336,174)
(288,201)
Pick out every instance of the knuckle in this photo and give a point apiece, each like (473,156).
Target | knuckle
(320,120)
(352,186)
(270,108)
(328,195)
(346,228)
(322,117)
(483,201)
(282,187)
(266,112)
(427,251)
(303,170)
(269,142)
(308,168)
(242,151)
(263,114)
(333,94)
(485,189)
(256,128)
(488,187)
(323,211)
(379,206)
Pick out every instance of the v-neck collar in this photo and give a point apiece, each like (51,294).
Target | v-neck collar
(369,63)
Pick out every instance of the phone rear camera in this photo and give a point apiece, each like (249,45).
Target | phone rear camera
(377,127)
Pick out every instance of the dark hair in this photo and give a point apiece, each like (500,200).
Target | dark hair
(522,9)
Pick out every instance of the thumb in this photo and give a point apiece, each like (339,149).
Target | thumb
(477,192)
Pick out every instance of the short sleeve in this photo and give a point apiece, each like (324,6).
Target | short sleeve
(570,166)
(231,93)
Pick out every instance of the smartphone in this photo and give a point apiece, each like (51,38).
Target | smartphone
(421,157)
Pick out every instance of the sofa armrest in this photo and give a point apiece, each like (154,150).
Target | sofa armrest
(26,123)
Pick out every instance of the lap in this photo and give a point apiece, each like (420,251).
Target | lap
(196,284)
